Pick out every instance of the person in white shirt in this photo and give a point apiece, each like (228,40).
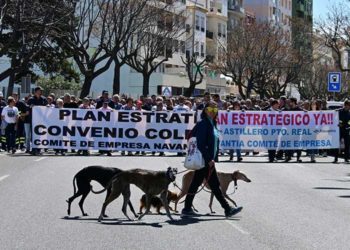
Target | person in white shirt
(181,107)
(9,115)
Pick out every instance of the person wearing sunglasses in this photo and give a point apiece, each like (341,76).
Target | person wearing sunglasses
(207,136)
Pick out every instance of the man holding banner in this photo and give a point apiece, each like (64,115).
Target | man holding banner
(344,129)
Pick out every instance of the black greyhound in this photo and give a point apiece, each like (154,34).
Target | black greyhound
(92,173)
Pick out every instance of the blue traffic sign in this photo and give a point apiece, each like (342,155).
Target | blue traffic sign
(334,81)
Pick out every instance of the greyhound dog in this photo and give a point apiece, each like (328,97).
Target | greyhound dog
(83,178)
(224,178)
(150,182)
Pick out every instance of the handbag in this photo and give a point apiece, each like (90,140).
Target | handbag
(194,159)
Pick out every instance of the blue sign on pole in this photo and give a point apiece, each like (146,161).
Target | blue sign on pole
(334,82)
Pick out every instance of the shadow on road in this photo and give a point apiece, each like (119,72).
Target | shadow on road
(331,188)
(177,222)
(344,196)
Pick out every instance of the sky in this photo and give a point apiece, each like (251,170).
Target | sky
(321,7)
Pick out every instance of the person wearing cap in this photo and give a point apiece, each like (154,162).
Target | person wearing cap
(9,115)
(344,129)
(36,100)
(2,131)
(104,98)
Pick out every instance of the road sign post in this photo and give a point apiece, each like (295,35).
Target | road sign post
(334,82)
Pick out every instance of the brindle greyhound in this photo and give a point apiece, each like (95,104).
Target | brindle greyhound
(101,174)
(150,182)
(224,178)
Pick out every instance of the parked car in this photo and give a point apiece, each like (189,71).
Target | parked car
(334,105)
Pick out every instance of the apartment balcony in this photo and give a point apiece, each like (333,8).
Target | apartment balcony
(215,11)
(236,9)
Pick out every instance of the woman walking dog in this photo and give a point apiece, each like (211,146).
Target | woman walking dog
(207,136)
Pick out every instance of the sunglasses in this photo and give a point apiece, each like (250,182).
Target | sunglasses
(212,110)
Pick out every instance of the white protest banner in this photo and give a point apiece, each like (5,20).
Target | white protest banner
(111,130)
(258,130)
(166,131)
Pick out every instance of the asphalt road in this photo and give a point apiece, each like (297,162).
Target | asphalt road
(286,206)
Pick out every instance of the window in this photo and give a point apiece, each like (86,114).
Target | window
(202,23)
(219,29)
(196,47)
(176,45)
(197,22)
(202,49)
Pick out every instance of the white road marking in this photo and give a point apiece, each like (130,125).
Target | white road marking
(238,228)
(3,177)
(40,159)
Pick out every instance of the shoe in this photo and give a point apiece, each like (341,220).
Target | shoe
(187,213)
(63,153)
(255,153)
(313,161)
(232,211)
(109,154)
(346,161)
(239,159)
(13,151)
(123,153)
(335,161)
(247,153)
(299,160)
(287,159)
(161,154)
(129,154)
(27,151)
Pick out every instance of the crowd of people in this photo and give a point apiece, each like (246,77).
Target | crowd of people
(16,116)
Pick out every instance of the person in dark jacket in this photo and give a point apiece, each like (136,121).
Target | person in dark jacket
(344,129)
(207,136)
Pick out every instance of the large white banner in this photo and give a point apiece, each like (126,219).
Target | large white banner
(111,130)
(258,130)
(166,131)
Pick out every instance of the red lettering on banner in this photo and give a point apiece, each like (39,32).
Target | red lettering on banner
(324,119)
(317,117)
(286,119)
(249,116)
(279,119)
(306,119)
(330,118)
(256,119)
(222,118)
(242,119)
(264,120)
(234,118)
(298,119)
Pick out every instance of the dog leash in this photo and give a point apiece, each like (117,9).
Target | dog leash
(182,171)
(203,185)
